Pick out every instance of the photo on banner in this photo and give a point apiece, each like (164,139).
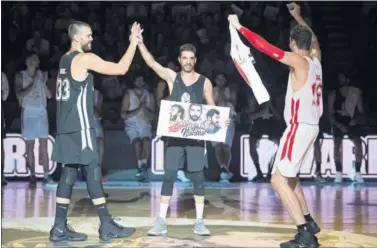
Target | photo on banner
(192,121)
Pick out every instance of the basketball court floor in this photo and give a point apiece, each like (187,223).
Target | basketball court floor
(238,214)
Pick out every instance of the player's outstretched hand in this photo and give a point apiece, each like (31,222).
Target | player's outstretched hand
(139,34)
(136,32)
(294,9)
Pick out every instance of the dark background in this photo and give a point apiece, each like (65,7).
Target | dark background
(347,32)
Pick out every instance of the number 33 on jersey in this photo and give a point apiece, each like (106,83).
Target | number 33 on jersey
(62,89)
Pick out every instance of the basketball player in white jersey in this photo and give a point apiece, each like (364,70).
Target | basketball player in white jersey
(32,92)
(98,101)
(303,109)
(225,96)
(137,108)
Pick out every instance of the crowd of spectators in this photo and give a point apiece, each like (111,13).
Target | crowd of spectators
(42,27)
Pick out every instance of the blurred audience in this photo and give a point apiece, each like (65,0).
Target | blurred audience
(41,28)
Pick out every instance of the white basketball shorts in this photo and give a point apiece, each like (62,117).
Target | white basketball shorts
(295,145)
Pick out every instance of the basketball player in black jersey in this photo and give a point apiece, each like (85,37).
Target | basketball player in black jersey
(75,144)
(190,87)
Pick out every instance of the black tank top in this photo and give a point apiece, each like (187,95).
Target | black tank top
(74,99)
(339,108)
(189,94)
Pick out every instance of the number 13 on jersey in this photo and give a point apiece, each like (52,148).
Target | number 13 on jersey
(62,89)
(317,91)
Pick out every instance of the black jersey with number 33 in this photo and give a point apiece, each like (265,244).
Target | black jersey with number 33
(74,99)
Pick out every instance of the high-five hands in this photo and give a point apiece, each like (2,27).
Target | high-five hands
(136,33)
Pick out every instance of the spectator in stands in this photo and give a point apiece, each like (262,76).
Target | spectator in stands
(4,96)
(64,19)
(32,92)
(265,121)
(137,107)
(38,44)
(346,114)
(225,96)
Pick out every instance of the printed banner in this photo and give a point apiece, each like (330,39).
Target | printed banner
(192,121)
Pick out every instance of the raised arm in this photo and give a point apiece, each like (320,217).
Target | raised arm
(288,58)
(92,62)
(208,92)
(295,11)
(163,72)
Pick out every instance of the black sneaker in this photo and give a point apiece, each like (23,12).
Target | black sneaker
(48,181)
(259,179)
(142,174)
(3,181)
(313,227)
(303,239)
(64,232)
(33,182)
(110,230)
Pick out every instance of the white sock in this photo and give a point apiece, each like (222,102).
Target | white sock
(45,175)
(163,210)
(143,161)
(199,208)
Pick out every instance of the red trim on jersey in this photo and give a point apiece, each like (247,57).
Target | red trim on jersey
(288,144)
(239,69)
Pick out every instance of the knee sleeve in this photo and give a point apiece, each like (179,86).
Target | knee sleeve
(67,180)
(93,175)
(167,186)
(197,179)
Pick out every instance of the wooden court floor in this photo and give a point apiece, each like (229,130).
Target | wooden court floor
(238,215)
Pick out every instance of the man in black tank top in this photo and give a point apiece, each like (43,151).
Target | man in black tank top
(185,86)
(75,144)
(264,121)
(345,123)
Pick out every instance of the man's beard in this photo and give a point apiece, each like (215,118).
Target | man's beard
(191,68)
(215,124)
(173,118)
(195,117)
(86,47)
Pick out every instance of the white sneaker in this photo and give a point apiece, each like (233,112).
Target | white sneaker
(358,178)
(200,229)
(182,177)
(338,177)
(318,178)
